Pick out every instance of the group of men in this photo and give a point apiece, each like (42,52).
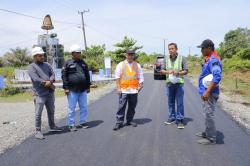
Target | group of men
(129,82)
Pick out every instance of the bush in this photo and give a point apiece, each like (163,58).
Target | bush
(236,63)
(244,53)
(7,72)
(10,91)
(93,65)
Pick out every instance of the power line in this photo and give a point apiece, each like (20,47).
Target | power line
(37,18)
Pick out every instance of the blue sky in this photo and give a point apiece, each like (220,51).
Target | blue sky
(186,22)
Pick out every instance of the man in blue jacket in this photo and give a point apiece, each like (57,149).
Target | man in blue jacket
(209,90)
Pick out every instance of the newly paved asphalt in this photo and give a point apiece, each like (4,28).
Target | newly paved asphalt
(150,144)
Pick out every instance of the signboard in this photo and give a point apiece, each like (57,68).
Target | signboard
(107,62)
(1,82)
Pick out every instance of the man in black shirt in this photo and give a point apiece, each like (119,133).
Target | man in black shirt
(76,84)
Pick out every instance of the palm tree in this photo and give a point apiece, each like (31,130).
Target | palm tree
(18,57)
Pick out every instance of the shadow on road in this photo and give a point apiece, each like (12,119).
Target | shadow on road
(142,121)
(220,137)
(63,128)
(187,120)
(94,123)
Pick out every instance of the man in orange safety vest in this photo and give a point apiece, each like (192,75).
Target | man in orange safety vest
(129,81)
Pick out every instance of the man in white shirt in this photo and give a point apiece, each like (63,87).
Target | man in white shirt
(129,81)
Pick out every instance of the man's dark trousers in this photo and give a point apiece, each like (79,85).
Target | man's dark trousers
(124,98)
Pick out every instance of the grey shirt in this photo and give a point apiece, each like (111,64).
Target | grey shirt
(38,73)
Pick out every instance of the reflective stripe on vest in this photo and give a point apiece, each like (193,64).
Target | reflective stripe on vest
(129,79)
(176,66)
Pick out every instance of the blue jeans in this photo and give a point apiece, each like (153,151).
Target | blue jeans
(175,92)
(73,98)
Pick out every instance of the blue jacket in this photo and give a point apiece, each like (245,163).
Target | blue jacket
(213,66)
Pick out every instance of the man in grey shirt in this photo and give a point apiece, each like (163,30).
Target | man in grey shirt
(176,69)
(42,77)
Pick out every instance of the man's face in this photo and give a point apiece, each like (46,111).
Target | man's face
(130,57)
(39,58)
(172,50)
(206,51)
(76,55)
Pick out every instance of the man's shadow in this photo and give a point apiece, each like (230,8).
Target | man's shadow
(187,120)
(142,121)
(220,137)
(65,129)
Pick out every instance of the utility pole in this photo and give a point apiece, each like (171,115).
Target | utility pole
(189,50)
(83,27)
(164,47)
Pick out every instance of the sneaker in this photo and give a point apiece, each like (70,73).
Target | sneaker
(131,124)
(84,126)
(180,125)
(169,121)
(55,129)
(72,128)
(117,126)
(206,141)
(201,134)
(39,135)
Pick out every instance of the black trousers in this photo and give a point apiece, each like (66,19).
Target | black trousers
(131,99)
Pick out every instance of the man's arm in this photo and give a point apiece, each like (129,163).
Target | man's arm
(216,71)
(87,76)
(65,79)
(118,77)
(141,78)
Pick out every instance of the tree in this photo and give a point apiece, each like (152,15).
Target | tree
(244,53)
(18,57)
(234,41)
(122,47)
(1,62)
(94,56)
(143,58)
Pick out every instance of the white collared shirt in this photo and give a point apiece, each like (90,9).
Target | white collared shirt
(118,72)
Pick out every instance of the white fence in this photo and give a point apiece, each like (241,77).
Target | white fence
(22,75)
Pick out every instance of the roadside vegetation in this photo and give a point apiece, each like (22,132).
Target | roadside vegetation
(235,55)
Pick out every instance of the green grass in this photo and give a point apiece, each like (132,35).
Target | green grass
(25,97)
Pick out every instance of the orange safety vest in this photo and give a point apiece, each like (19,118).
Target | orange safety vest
(129,79)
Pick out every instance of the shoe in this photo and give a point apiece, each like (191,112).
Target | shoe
(39,135)
(117,126)
(131,124)
(180,125)
(55,129)
(72,128)
(206,141)
(169,121)
(201,134)
(83,125)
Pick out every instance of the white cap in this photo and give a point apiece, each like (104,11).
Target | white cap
(75,48)
(206,81)
(37,50)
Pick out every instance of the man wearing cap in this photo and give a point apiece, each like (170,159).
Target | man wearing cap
(76,84)
(176,68)
(129,81)
(209,93)
(42,77)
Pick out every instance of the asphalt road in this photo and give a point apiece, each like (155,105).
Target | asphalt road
(150,144)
